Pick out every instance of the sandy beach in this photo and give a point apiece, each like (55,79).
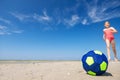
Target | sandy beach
(53,70)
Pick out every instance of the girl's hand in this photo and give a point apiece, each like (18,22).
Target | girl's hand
(113,29)
(103,37)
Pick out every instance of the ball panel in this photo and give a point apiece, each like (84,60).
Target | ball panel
(103,66)
(85,65)
(98,52)
(89,61)
(91,73)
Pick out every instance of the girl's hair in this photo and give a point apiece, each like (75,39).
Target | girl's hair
(107,22)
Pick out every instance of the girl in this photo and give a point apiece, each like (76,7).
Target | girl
(109,39)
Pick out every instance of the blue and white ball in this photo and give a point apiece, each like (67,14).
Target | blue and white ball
(95,62)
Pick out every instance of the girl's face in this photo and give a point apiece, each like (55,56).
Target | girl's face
(107,24)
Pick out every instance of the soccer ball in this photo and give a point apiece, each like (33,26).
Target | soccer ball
(95,62)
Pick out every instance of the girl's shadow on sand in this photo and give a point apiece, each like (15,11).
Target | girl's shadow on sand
(107,74)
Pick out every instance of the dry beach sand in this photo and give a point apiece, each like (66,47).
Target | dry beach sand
(53,70)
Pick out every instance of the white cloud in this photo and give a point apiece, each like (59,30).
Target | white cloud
(73,21)
(4,30)
(45,16)
(4,33)
(84,22)
(2,27)
(106,10)
(5,20)
(20,16)
(42,18)
(23,17)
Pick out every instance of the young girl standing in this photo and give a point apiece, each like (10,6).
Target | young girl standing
(109,39)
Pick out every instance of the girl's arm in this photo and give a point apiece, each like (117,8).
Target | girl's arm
(113,30)
(103,36)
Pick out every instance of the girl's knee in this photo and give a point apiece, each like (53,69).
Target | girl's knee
(108,47)
(113,48)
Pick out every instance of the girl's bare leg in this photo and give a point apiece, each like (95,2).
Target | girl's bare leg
(108,49)
(114,50)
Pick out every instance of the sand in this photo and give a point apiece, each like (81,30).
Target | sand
(53,70)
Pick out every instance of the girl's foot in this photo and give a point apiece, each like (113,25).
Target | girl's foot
(116,59)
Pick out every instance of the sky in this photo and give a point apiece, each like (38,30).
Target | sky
(55,29)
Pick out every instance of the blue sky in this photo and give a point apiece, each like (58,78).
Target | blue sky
(55,29)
